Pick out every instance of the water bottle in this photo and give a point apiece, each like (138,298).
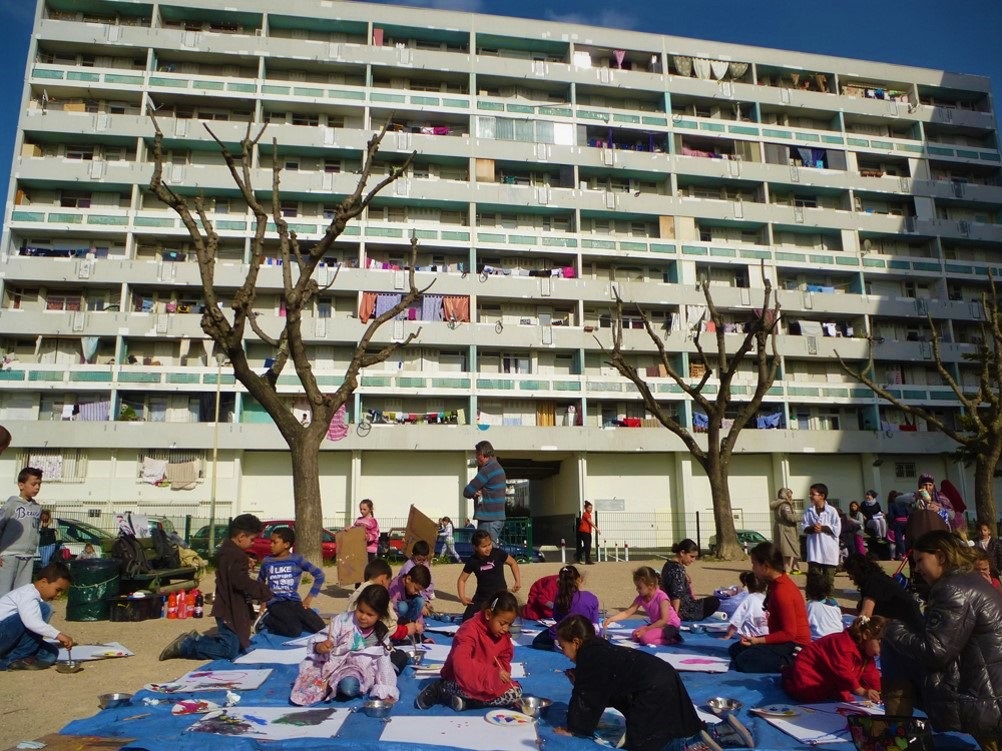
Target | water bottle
(199,605)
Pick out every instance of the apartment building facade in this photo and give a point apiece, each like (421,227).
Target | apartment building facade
(556,166)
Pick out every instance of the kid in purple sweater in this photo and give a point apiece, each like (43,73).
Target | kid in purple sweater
(570,600)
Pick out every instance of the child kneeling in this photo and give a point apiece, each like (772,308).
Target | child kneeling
(840,666)
(477,672)
(352,658)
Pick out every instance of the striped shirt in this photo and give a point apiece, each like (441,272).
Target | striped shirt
(491,482)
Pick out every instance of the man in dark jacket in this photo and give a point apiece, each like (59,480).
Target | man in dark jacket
(231,608)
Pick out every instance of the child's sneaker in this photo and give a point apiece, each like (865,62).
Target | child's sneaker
(706,743)
(457,702)
(429,696)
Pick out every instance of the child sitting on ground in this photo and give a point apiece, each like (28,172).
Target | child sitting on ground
(485,564)
(663,627)
(539,603)
(840,666)
(824,616)
(282,570)
(377,573)
(420,556)
(352,657)
(24,621)
(231,606)
(477,672)
(658,711)
(570,600)
(749,617)
(406,594)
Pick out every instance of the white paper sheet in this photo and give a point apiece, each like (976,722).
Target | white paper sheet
(695,663)
(273,657)
(810,726)
(300,641)
(441,628)
(221,680)
(273,723)
(468,731)
(432,671)
(88,652)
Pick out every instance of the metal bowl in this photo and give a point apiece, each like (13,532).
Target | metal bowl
(722,706)
(377,708)
(416,656)
(534,706)
(110,701)
(68,666)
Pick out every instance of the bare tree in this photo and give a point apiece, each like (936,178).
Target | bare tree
(978,430)
(759,346)
(299,261)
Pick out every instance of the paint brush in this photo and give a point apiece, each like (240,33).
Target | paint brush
(501,667)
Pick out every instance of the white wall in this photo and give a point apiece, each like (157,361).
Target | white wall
(432,481)
(843,475)
(644,481)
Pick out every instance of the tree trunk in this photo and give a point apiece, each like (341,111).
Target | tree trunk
(715,467)
(305,457)
(985,464)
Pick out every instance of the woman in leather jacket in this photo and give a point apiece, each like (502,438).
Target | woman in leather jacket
(957,651)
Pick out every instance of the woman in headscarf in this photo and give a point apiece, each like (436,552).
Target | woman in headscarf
(788,522)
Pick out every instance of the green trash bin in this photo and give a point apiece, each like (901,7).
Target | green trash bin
(95,581)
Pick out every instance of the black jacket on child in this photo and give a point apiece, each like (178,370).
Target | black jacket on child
(648,692)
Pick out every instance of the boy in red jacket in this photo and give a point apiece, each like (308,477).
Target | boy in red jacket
(840,666)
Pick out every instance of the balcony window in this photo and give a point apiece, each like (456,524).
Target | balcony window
(75,199)
(80,152)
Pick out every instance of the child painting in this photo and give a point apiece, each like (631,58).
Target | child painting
(663,622)
(352,657)
(840,666)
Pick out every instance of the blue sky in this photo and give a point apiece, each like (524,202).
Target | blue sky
(960,35)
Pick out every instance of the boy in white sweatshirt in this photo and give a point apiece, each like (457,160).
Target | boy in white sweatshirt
(24,621)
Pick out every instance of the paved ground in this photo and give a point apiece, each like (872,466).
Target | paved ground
(35,703)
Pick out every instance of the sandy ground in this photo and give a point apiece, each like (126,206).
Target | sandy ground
(38,702)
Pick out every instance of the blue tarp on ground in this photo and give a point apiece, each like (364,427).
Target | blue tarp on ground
(161,731)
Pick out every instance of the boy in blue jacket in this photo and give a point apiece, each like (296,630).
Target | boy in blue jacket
(288,615)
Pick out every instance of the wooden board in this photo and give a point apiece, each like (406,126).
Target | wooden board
(351,555)
(419,527)
(58,742)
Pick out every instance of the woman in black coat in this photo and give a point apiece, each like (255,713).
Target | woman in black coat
(956,654)
(648,692)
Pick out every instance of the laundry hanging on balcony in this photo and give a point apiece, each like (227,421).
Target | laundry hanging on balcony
(338,429)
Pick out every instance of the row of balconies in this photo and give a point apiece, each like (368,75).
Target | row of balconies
(183,277)
(402,383)
(23,323)
(462,63)
(265,437)
(317,185)
(458,108)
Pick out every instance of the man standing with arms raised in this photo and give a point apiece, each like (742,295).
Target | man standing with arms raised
(487,489)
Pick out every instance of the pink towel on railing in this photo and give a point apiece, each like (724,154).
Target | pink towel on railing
(338,429)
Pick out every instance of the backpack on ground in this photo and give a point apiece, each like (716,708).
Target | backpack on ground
(129,554)
(167,555)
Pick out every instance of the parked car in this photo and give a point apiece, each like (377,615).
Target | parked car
(747,538)
(464,546)
(261,546)
(199,541)
(75,534)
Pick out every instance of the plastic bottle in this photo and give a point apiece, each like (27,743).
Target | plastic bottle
(190,604)
(172,606)
(182,606)
(199,605)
